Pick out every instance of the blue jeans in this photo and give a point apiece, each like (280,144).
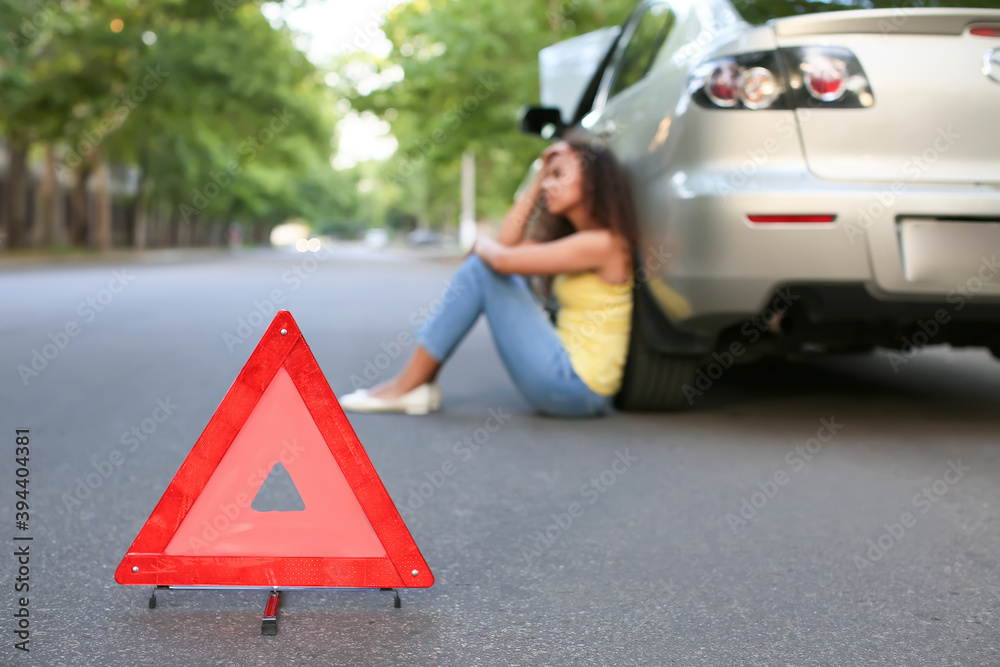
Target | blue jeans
(524,335)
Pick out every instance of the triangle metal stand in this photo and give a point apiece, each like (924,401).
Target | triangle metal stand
(269,621)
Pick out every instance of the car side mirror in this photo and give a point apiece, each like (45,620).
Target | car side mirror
(546,122)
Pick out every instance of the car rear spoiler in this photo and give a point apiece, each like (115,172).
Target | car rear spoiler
(917,21)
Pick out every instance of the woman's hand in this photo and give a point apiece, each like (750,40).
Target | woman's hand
(558,148)
(514,223)
(487,248)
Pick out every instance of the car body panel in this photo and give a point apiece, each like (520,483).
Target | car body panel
(566,68)
(934,117)
(698,172)
(898,21)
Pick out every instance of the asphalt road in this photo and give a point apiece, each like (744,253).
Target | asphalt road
(763,527)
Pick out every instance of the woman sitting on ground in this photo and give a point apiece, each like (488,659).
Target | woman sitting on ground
(586,241)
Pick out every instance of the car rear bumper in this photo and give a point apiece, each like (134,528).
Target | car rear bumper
(727,269)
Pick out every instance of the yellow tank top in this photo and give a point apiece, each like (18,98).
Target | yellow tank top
(593,322)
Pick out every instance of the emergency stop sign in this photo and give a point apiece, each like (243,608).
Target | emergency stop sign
(278,491)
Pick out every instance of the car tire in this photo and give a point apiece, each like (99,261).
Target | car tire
(653,381)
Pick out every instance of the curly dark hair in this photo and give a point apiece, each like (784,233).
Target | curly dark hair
(606,192)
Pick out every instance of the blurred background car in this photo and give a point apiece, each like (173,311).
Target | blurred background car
(376,238)
(827,182)
(424,237)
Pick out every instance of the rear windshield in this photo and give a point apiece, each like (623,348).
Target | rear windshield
(761,11)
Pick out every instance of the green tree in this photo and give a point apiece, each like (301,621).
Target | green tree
(468,68)
(28,115)
(212,109)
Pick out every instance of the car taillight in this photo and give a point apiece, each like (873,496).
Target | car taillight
(746,81)
(757,88)
(721,85)
(986,32)
(790,78)
(826,77)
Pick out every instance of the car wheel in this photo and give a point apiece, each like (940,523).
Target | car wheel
(653,381)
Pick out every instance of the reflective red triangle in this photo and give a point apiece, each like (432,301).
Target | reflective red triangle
(280,409)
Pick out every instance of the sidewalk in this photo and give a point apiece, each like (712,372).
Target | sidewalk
(40,258)
(345,250)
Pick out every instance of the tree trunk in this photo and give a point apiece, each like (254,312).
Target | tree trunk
(102,219)
(4,212)
(78,223)
(260,233)
(216,238)
(44,228)
(17,196)
(139,218)
(175,231)
(162,223)
(140,222)
(151,223)
(555,16)
(184,234)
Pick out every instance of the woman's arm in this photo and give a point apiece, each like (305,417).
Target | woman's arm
(580,251)
(512,229)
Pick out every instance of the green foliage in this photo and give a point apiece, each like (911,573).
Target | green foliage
(227,121)
(224,117)
(468,68)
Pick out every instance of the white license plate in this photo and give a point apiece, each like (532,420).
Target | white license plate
(948,253)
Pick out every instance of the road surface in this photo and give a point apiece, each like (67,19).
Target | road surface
(822,511)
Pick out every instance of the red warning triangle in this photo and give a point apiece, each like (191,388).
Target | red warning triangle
(342,528)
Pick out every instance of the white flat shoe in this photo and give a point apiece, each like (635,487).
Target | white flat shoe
(419,401)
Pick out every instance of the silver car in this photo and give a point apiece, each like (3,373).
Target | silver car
(823,181)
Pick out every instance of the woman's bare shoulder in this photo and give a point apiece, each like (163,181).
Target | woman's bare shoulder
(617,266)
